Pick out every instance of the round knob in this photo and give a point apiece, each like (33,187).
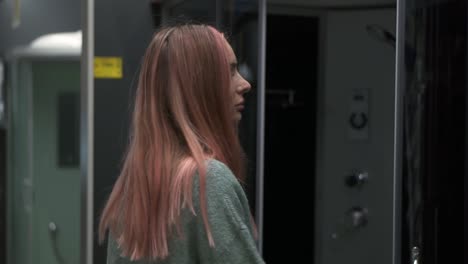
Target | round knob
(357,217)
(52,227)
(356,179)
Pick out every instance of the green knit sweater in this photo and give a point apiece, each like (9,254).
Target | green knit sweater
(229,218)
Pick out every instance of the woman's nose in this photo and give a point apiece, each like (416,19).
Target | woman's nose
(244,86)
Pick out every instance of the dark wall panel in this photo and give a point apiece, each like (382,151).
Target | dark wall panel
(2,195)
(122,29)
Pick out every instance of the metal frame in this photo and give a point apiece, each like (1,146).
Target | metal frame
(331,7)
(30,159)
(9,139)
(398,129)
(13,99)
(320,104)
(2,93)
(87,132)
(260,121)
(45,54)
(308,11)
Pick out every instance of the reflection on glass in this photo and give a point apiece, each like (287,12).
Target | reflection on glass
(434,99)
(44,157)
(239,21)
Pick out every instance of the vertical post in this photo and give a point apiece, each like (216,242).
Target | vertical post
(400,84)
(86,132)
(465,215)
(260,120)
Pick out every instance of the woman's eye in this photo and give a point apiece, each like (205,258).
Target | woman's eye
(233,69)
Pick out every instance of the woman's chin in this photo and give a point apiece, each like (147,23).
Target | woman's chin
(237,116)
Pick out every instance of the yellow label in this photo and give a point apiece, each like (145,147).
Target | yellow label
(108,67)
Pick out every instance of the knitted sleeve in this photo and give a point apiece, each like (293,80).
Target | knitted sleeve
(229,219)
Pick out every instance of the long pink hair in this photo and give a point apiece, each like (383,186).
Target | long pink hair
(183,116)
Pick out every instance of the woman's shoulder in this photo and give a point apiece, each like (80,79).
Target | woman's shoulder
(219,179)
(216,166)
(218,174)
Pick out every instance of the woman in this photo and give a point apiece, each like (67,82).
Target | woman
(178,198)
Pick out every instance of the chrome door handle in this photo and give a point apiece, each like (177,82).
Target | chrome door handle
(53,230)
(415,253)
(355,219)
